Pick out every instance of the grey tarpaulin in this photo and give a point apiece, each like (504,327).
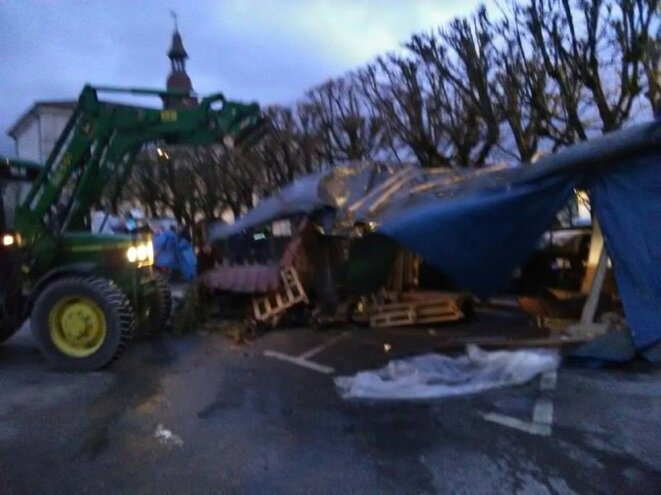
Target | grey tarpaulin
(298,197)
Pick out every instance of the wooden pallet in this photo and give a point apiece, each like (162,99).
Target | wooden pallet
(269,308)
(438,309)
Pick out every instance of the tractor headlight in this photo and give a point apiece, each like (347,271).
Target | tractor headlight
(142,254)
(8,240)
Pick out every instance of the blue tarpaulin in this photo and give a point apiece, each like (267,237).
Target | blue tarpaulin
(175,253)
(627,200)
(479,236)
(477,241)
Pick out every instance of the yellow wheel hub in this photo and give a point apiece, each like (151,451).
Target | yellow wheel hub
(77,326)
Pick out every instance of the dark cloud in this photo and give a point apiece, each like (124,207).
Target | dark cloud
(270,51)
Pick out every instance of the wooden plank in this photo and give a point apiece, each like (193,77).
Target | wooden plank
(288,292)
(510,342)
(390,322)
(418,308)
(381,308)
(394,314)
(432,184)
(256,308)
(415,271)
(427,295)
(390,191)
(377,190)
(449,311)
(438,319)
(415,303)
(433,303)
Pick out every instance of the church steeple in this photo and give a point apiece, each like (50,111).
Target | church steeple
(178,79)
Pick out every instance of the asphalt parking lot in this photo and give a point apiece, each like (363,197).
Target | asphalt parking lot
(200,414)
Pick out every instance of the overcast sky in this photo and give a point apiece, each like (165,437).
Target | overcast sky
(265,50)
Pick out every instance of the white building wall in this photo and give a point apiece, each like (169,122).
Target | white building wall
(38,136)
(34,142)
(27,148)
(52,122)
(27,142)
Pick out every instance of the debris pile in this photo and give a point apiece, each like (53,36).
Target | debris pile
(471,228)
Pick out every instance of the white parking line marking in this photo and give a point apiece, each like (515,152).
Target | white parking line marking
(542,414)
(303,359)
(518,424)
(300,362)
(325,345)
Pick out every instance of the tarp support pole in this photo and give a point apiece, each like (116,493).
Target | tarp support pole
(594,255)
(590,307)
(593,283)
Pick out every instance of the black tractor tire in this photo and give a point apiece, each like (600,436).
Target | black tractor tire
(7,331)
(161,306)
(11,308)
(112,302)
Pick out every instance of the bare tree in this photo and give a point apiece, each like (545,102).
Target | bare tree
(547,26)
(522,89)
(607,56)
(649,36)
(394,85)
(595,52)
(348,132)
(468,64)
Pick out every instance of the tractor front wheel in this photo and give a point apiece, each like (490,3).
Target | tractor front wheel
(11,306)
(82,323)
(160,307)
(7,331)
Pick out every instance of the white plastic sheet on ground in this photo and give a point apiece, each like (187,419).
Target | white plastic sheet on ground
(434,375)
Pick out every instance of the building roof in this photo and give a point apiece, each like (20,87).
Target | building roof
(23,119)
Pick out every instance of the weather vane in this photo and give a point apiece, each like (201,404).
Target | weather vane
(175,17)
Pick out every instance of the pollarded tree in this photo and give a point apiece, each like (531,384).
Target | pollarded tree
(347,131)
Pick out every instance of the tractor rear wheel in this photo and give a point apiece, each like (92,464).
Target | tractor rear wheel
(82,323)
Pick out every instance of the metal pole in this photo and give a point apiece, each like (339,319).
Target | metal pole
(590,307)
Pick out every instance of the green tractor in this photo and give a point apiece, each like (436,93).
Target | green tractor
(87,294)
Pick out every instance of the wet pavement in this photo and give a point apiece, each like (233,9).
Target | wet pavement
(199,414)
